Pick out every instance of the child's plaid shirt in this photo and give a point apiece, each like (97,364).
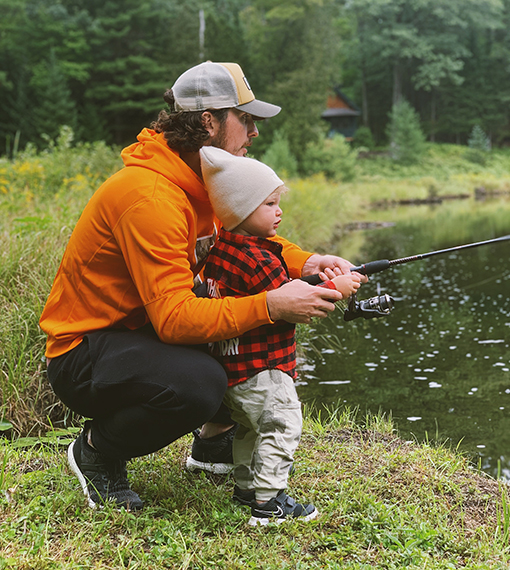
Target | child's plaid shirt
(244,265)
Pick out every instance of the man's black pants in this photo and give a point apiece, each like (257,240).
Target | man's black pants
(141,393)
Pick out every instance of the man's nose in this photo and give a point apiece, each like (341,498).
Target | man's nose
(252,129)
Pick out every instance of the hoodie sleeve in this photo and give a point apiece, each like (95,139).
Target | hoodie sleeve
(153,237)
(294,257)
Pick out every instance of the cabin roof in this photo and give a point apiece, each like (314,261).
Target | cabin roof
(338,105)
(339,113)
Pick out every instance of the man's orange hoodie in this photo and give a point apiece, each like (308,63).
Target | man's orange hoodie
(134,253)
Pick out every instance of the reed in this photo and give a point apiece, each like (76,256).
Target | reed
(41,197)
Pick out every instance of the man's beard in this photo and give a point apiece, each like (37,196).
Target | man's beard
(220,140)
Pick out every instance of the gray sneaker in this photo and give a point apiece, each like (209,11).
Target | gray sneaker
(103,481)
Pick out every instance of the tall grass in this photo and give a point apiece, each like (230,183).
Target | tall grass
(315,208)
(41,197)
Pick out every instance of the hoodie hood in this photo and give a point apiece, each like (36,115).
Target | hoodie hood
(152,152)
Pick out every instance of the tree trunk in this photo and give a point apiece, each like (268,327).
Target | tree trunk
(433,117)
(397,83)
(364,98)
(201,34)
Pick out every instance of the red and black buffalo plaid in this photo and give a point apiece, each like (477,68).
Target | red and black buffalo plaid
(244,265)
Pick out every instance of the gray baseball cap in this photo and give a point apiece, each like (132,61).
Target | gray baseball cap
(218,86)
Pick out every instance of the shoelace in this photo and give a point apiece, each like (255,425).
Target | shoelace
(116,476)
(113,474)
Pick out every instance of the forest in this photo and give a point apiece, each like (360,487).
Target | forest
(101,66)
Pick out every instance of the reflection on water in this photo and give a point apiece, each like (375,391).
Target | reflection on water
(440,362)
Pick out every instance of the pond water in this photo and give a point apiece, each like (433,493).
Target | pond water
(439,363)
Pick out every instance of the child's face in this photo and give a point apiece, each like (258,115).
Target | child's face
(264,220)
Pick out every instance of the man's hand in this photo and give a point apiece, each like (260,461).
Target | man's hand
(327,266)
(299,302)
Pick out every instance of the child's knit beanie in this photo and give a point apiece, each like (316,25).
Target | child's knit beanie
(236,185)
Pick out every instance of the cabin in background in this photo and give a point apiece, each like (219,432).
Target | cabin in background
(341,114)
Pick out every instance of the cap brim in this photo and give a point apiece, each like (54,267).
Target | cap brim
(260,109)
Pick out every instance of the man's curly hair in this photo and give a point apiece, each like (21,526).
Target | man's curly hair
(184,130)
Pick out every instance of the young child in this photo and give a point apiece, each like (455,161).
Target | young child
(261,363)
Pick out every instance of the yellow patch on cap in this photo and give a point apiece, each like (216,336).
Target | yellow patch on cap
(244,91)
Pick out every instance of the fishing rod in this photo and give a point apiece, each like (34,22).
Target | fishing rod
(381,264)
(381,305)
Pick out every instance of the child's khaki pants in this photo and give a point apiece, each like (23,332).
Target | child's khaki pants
(268,411)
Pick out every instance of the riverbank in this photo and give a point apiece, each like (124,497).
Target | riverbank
(383,502)
(318,213)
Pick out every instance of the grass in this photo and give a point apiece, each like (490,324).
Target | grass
(317,211)
(383,502)
(41,197)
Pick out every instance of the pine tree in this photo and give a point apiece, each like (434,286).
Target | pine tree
(404,132)
(54,106)
(479,146)
(479,140)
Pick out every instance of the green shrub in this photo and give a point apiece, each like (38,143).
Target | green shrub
(363,138)
(331,156)
(60,168)
(279,156)
(407,141)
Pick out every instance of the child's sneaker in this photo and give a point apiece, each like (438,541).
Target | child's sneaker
(279,509)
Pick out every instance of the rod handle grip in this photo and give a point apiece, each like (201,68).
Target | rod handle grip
(372,267)
(312,279)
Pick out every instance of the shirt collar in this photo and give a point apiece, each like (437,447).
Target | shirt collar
(250,240)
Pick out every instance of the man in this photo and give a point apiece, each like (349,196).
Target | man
(123,323)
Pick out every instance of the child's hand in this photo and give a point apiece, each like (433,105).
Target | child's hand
(347,284)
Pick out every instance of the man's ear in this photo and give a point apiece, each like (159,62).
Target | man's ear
(209,122)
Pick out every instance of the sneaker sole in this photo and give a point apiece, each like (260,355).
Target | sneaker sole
(256,521)
(76,470)
(215,468)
